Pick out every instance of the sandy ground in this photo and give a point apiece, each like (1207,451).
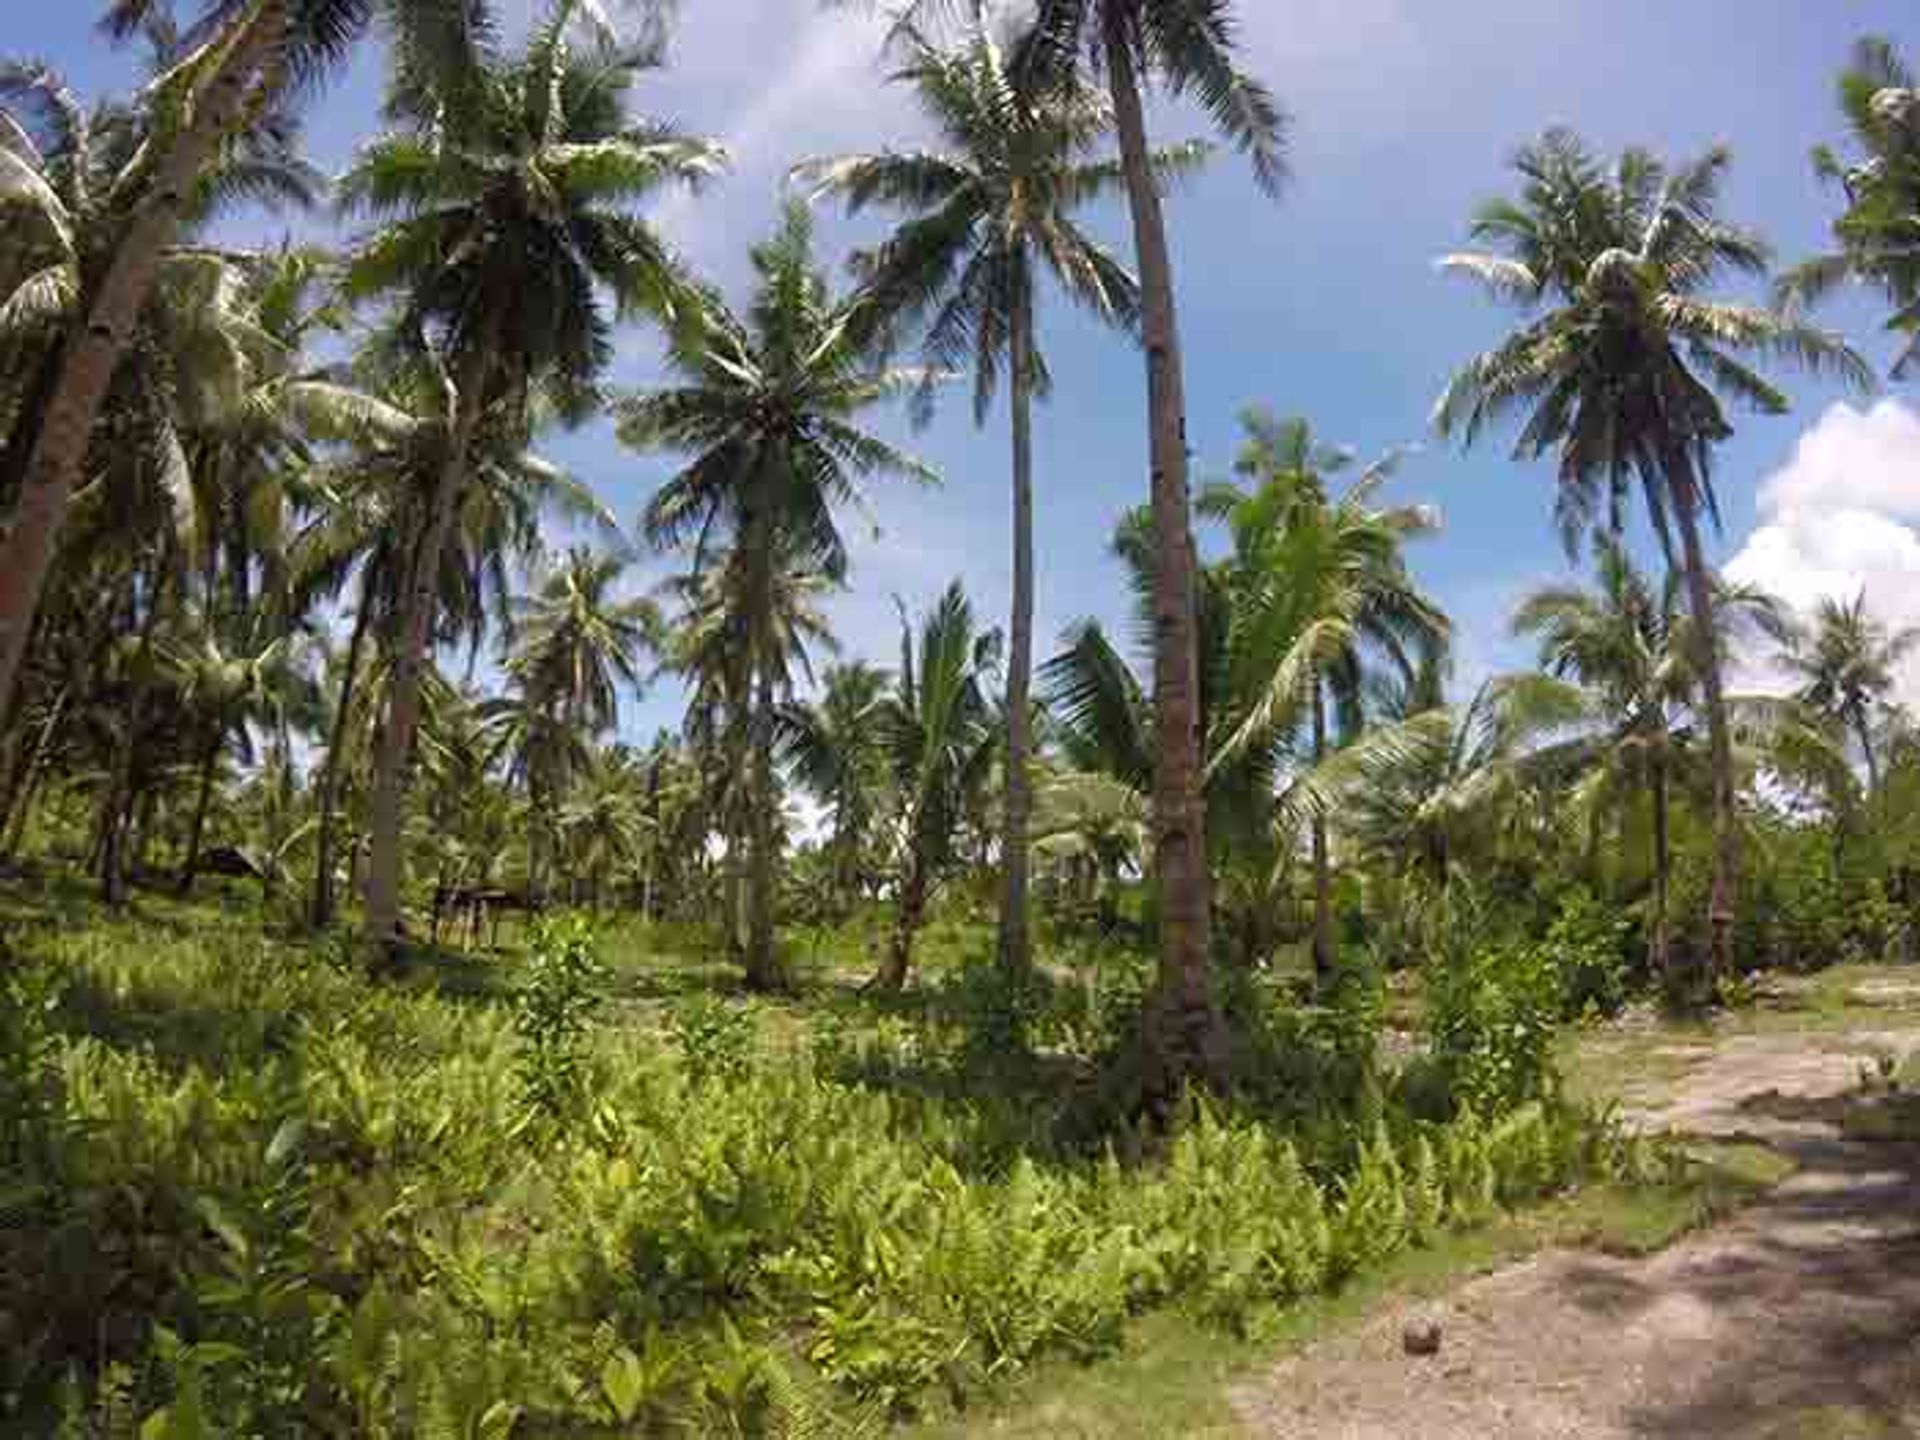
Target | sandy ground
(1799,1320)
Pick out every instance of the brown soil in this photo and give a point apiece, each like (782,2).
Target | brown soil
(1796,1321)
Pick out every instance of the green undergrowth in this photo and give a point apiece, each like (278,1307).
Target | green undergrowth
(255,1192)
(1174,1375)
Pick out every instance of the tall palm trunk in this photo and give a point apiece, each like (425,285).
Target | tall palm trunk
(203,801)
(320,914)
(1863,728)
(906,925)
(763,971)
(386,863)
(1185,1035)
(1324,958)
(1662,868)
(1726,821)
(91,351)
(1014,852)
(118,813)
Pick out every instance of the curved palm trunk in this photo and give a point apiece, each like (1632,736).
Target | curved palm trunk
(320,914)
(1726,833)
(1657,947)
(386,861)
(1185,1036)
(91,352)
(1325,959)
(27,782)
(1014,852)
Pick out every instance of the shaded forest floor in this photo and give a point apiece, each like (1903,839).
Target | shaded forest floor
(1797,1318)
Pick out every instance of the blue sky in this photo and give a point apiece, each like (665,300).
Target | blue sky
(1325,304)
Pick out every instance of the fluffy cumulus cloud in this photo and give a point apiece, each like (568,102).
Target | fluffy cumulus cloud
(1844,516)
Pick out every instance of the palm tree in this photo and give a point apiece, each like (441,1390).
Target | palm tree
(228,690)
(833,747)
(1190,46)
(1874,234)
(939,737)
(1846,664)
(370,500)
(513,216)
(766,411)
(220,92)
(985,217)
(573,644)
(1321,601)
(1621,669)
(1622,374)
(745,624)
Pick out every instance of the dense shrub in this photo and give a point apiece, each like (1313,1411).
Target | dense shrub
(552,1012)
(1588,941)
(344,1233)
(1491,1017)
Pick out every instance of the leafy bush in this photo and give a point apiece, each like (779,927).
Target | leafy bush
(715,1039)
(1491,1021)
(552,1012)
(288,1205)
(1588,939)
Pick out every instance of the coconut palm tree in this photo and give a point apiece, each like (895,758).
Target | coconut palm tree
(1845,662)
(1621,372)
(986,217)
(1321,600)
(1190,47)
(940,744)
(766,408)
(371,501)
(220,90)
(745,622)
(833,747)
(512,220)
(1621,673)
(577,644)
(573,643)
(1875,234)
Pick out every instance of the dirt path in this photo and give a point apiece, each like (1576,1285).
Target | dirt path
(1799,1320)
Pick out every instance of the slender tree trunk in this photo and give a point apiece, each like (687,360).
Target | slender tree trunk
(91,351)
(24,778)
(120,788)
(1186,1037)
(763,971)
(320,915)
(386,863)
(539,811)
(1726,821)
(21,815)
(1864,729)
(1014,850)
(1657,948)
(1325,960)
(209,762)
(906,926)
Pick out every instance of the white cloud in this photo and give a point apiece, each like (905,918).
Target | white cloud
(819,95)
(1843,517)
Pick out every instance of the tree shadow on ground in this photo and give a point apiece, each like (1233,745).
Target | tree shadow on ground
(1827,1268)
